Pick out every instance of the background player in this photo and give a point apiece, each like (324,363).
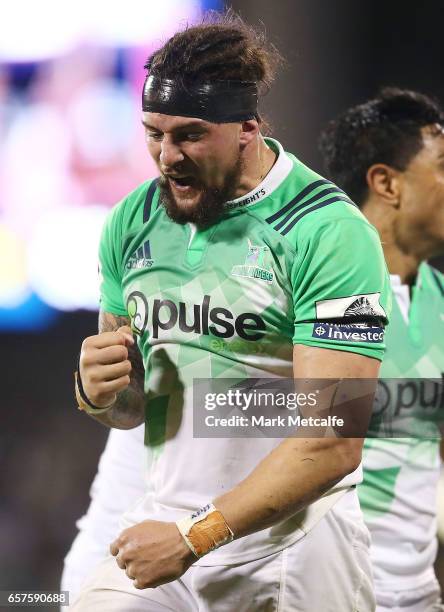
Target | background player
(118,484)
(182,252)
(388,155)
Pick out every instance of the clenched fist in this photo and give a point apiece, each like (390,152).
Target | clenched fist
(104,365)
(152,553)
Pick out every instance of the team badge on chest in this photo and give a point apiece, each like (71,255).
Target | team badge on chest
(255,265)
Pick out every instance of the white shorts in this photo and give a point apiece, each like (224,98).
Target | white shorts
(328,570)
(427,598)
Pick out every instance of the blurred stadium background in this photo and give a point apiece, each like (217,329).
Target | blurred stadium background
(71,146)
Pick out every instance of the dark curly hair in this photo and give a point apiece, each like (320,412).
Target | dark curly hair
(222,47)
(386,129)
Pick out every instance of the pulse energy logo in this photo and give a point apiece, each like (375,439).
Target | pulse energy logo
(191,318)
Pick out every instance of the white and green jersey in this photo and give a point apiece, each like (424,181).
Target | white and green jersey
(398,495)
(292,262)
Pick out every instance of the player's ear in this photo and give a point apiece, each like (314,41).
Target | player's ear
(384,182)
(248,131)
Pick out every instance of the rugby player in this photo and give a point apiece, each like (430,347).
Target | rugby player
(388,154)
(237,262)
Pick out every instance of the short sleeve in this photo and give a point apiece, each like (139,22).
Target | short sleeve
(110,264)
(341,288)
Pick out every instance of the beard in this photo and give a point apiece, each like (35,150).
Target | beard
(211,204)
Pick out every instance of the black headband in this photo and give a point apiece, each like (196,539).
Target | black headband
(218,102)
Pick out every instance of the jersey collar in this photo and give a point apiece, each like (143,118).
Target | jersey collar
(402,295)
(278,173)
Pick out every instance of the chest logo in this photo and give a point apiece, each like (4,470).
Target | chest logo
(256,265)
(141,258)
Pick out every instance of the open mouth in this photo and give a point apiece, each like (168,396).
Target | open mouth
(183,182)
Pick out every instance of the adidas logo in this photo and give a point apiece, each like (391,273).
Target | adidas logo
(140,258)
(361,306)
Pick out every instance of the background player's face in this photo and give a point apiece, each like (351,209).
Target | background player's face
(421,213)
(199,164)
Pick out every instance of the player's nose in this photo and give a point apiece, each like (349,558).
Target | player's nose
(170,154)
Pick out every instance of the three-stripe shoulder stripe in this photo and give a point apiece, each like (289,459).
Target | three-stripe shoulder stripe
(438,280)
(149,200)
(311,200)
(299,206)
(301,195)
(312,208)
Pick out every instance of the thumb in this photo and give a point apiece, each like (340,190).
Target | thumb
(126,332)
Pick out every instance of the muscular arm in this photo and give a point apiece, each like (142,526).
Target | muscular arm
(299,470)
(128,409)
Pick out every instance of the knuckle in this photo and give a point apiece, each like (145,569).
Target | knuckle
(86,354)
(104,387)
(119,338)
(87,343)
(129,572)
(87,381)
(121,383)
(122,353)
(92,377)
(108,354)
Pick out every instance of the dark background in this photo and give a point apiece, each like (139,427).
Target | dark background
(339,53)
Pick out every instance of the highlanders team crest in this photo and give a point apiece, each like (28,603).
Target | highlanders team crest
(255,265)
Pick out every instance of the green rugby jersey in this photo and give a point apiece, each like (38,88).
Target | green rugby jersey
(230,301)
(398,495)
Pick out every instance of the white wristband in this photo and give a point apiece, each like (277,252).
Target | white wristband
(213,533)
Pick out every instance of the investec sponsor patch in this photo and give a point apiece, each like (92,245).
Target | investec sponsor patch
(348,333)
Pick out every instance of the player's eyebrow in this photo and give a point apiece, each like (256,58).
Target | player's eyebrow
(185,126)
(147,125)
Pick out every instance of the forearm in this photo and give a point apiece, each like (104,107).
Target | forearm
(295,474)
(300,470)
(127,412)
